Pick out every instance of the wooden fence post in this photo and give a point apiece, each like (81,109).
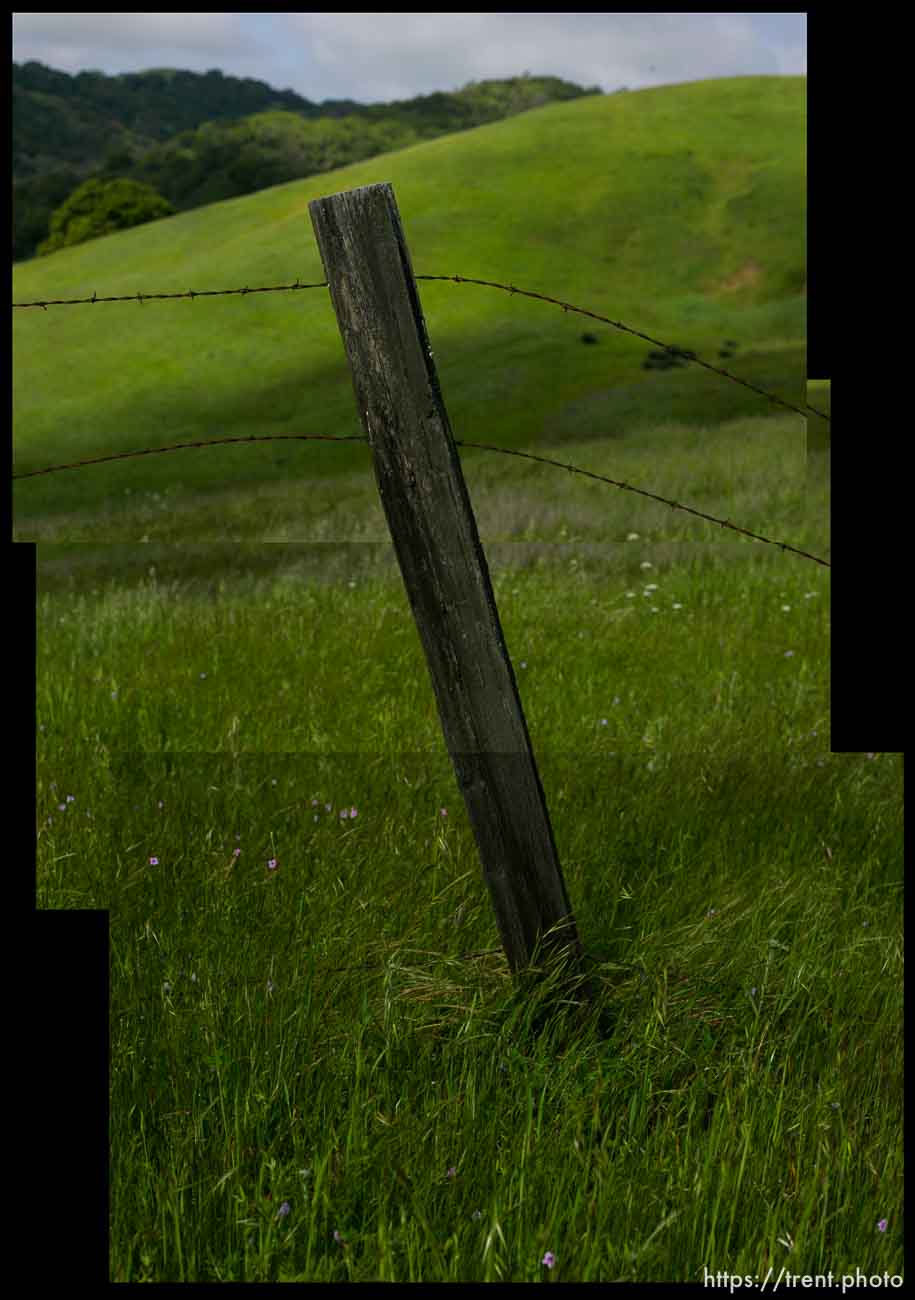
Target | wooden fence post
(435,538)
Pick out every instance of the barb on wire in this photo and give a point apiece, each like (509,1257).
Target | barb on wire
(482,446)
(457,279)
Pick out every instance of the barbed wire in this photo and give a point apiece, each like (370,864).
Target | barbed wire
(148,297)
(680,353)
(675,505)
(459,442)
(207,442)
(674,351)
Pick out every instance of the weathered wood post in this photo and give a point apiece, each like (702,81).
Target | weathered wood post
(435,537)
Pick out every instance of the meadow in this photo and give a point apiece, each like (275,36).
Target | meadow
(321,1069)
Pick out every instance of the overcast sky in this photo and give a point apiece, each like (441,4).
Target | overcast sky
(380,57)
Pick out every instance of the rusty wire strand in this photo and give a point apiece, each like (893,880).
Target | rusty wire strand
(457,279)
(674,351)
(145,297)
(482,446)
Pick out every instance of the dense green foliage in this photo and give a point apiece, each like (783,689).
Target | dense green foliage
(62,118)
(222,160)
(98,208)
(34,202)
(200,138)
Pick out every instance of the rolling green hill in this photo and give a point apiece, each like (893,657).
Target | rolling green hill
(199,138)
(678,210)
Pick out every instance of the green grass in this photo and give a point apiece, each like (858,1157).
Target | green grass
(677,210)
(339,1035)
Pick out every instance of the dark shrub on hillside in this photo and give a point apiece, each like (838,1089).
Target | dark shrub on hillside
(665,360)
(99,207)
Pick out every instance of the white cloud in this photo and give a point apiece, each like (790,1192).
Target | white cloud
(374,57)
(396,55)
(128,42)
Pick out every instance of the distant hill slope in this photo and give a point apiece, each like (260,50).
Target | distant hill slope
(189,133)
(678,210)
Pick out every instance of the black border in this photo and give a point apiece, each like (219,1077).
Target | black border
(65,1056)
(848,336)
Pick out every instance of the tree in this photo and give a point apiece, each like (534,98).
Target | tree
(98,207)
(118,160)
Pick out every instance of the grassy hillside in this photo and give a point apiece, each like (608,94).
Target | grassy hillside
(196,138)
(678,210)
